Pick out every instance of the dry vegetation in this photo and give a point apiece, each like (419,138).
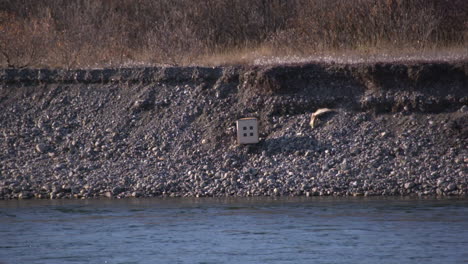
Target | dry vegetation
(101,33)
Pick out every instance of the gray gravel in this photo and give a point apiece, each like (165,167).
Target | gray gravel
(171,131)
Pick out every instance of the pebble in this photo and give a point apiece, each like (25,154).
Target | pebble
(440,181)
(451,187)
(409,185)
(42,148)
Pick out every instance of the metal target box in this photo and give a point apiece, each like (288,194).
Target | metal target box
(247,130)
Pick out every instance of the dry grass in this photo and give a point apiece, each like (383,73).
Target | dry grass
(114,33)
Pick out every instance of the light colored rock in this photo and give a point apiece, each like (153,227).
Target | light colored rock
(451,187)
(42,148)
(440,181)
(316,114)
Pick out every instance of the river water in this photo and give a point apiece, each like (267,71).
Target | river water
(299,230)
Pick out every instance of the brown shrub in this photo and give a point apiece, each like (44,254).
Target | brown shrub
(101,33)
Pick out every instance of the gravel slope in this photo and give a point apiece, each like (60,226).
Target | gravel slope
(399,129)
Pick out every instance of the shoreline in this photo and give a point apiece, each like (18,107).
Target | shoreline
(225,201)
(401,129)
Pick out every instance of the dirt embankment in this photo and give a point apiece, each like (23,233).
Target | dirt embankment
(399,129)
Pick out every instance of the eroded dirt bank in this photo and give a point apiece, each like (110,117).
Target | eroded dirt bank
(399,129)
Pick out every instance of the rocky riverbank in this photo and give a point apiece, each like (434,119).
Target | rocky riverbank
(399,129)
